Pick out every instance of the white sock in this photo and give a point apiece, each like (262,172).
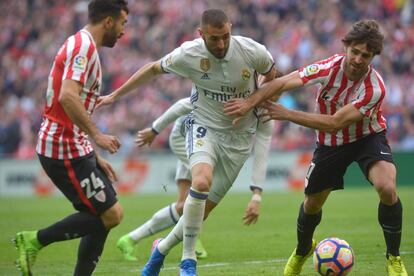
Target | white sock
(172,239)
(192,221)
(161,220)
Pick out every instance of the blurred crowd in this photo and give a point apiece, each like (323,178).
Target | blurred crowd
(296,32)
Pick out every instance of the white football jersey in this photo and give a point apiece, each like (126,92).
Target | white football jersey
(215,81)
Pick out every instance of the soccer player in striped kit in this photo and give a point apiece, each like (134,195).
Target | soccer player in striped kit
(170,214)
(350,127)
(63,148)
(221,66)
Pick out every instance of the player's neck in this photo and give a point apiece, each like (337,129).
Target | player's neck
(96,33)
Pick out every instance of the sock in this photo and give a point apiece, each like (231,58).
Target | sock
(305,228)
(89,252)
(173,238)
(72,227)
(161,220)
(192,220)
(390,219)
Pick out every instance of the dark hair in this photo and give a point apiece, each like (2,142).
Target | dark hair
(366,31)
(214,17)
(100,9)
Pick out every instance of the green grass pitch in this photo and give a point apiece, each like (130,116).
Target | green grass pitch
(234,249)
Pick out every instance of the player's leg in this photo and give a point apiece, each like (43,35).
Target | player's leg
(310,215)
(65,175)
(318,185)
(161,220)
(162,247)
(194,206)
(111,213)
(378,166)
(383,176)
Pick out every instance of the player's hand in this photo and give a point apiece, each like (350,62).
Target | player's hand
(107,168)
(236,107)
(252,213)
(274,111)
(104,100)
(145,137)
(107,142)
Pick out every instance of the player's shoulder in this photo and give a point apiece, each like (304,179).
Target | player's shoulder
(193,47)
(81,39)
(247,43)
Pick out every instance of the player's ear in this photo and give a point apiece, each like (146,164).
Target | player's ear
(200,32)
(108,22)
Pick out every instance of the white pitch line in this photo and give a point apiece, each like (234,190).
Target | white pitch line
(258,262)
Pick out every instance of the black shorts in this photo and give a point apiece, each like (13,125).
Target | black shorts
(329,164)
(82,181)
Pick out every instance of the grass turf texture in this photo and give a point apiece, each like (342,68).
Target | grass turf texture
(234,249)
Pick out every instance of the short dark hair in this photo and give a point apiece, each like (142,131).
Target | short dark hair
(100,9)
(366,31)
(214,17)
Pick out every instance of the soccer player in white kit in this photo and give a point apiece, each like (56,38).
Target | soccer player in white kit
(169,215)
(221,67)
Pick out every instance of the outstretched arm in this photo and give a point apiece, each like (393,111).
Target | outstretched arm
(142,76)
(146,136)
(323,122)
(272,89)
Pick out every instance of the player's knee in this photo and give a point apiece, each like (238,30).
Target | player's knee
(201,183)
(113,216)
(387,192)
(312,206)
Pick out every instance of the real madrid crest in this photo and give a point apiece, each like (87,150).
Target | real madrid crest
(205,64)
(245,74)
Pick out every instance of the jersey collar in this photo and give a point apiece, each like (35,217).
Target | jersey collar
(90,36)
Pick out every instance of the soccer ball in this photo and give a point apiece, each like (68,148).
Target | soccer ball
(333,257)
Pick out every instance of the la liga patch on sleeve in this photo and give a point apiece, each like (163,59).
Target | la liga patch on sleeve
(79,63)
(311,70)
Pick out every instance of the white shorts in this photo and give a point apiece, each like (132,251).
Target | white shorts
(177,145)
(225,152)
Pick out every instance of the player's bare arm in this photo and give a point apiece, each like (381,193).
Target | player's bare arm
(272,89)
(328,123)
(145,137)
(253,208)
(140,77)
(70,100)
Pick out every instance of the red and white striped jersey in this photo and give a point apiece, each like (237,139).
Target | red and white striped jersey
(337,91)
(78,60)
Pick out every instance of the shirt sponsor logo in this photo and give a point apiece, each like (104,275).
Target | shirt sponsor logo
(311,70)
(80,63)
(245,74)
(205,64)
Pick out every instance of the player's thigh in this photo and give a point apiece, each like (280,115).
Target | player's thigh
(112,216)
(82,181)
(327,169)
(201,141)
(225,173)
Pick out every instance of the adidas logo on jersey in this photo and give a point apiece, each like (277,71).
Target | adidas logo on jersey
(205,76)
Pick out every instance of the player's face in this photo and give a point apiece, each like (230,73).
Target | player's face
(358,59)
(116,31)
(217,40)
